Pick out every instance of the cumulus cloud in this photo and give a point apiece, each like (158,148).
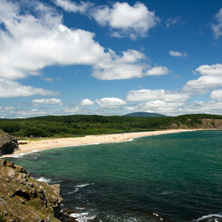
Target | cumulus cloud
(110,102)
(157,106)
(214,70)
(158,95)
(176,108)
(28,40)
(27,45)
(126,20)
(211,78)
(10,88)
(24,113)
(120,67)
(216,94)
(217,28)
(156,71)
(86,102)
(72,110)
(73,6)
(52,101)
(177,54)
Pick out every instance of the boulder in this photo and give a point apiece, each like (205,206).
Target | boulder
(8,144)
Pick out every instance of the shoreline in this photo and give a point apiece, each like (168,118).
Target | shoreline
(36,146)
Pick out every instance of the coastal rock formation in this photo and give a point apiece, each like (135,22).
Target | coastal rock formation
(22,198)
(8,144)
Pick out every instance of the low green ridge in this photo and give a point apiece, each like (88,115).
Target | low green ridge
(80,125)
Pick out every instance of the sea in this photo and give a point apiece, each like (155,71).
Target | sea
(172,177)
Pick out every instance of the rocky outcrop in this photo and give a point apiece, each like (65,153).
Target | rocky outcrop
(8,144)
(206,124)
(22,198)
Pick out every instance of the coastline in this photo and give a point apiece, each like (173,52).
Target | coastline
(41,145)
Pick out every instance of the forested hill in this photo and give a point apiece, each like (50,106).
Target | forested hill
(75,125)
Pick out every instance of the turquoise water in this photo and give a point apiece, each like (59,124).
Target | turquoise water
(174,177)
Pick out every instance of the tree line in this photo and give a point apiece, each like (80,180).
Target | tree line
(80,125)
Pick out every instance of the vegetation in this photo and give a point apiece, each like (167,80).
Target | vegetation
(80,125)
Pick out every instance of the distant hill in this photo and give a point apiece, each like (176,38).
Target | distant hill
(144,114)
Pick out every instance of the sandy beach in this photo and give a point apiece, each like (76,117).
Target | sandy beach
(90,139)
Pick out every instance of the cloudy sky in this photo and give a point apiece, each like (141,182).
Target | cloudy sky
(63,57)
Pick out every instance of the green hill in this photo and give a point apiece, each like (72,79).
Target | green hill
(80,125)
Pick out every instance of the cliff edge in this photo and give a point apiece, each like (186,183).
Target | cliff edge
(24,199)
(8,144)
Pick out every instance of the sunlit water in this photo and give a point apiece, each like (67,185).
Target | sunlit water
(174,177)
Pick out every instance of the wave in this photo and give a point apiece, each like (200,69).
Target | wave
(210,218)
(82,217)
(43,179)
(83,185)
(77,187)
(20,155)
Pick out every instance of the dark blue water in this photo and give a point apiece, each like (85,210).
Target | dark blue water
(174,177)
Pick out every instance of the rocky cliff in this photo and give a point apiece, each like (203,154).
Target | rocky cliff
(8,144)
(24,199)
(206,124)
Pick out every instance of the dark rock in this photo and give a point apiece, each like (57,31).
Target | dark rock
(21,193)
(8,144)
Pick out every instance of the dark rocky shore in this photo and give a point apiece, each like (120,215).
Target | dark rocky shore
(8,144)
(24,199)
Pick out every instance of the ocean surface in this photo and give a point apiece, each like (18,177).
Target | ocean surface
(173,177)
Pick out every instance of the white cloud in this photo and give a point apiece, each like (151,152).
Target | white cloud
(14,89)
(157,106)
(216,94)
(172,21)
(52,101)
(126,20)
(177,108)
(217,28)
(126,67)
(177,54)
(25,113)
(73,6)
(86,102)
(48,79)
(110,102)
(212,78)
(214,70)
(156,71)
(30,43)
(160,95)
(72,110)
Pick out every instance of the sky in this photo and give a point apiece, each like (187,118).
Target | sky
(66,57)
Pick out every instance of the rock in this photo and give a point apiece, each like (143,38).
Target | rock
(22,178)
(10,173)
(21,194)
(8,144)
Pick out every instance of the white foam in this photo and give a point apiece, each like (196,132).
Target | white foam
(74,191)
(209,216)
(82,217)
(43,179)
(83,185)
(20,155)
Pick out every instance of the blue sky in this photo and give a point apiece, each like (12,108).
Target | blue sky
(64,57)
